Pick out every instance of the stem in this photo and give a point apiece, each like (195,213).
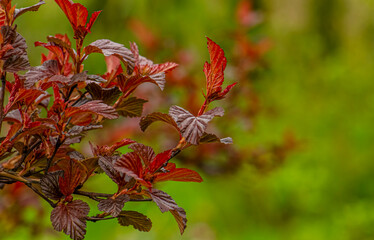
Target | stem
(2,96)
(78,43)
(95,219)
(203,108)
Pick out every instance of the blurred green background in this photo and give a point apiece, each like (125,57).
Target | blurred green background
(318,81)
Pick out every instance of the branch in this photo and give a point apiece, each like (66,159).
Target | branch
(2,96)
(18,178)
(97,196)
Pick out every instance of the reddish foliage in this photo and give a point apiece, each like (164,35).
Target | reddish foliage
(37,150)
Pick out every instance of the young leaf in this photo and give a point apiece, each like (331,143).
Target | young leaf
(192,127)
(113,205)
(146,153)
(131,107)
(214,72)
(146,121)
(145,67)
(109,150)
(77,15)
(71,218)
(74,174)
(131,165)
(159,161)
(136,219)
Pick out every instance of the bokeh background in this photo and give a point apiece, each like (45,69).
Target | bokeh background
(301,116)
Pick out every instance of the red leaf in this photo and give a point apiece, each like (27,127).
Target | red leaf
(179,174)
(130,164)
(71,218)
(74,174)
(22,96)
(214,72)
(109,150)
(146,153)
(77,15)
(92,20)
(159,161)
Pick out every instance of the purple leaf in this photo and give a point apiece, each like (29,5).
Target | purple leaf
(108,48)
(192,127)
(136,219)
(131,107)
(71,218)
(49,185)
(46,70)
(154,117)
(113,206)
(19,11)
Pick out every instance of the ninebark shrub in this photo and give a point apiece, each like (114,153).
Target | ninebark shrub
(52,106)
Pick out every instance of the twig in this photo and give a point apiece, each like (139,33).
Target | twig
(97,196)
(49,161)
(93,196)
(53,205)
